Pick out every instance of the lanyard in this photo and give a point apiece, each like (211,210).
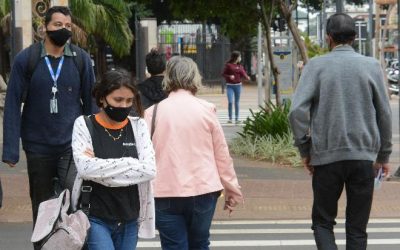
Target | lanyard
(54,77)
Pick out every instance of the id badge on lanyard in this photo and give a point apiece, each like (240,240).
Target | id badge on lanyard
(54,89)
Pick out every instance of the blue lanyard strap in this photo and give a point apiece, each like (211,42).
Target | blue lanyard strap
(54,77)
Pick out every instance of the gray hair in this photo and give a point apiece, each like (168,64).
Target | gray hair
(182,73)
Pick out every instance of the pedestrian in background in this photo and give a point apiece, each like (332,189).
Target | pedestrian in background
(115,160)
(193,161)
(54,93)
(341,120)
(233,74)
(151,90)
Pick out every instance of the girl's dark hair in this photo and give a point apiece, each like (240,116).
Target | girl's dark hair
(56,9)
(115,79)
(341,27)
(234,56)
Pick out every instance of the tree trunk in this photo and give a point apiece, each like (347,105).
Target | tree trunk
(266,21)
(286,12)
(267,78)
(100,58)
(3,56)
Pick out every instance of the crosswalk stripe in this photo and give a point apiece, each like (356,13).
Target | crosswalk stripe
(223,116)
(284,222)
(265,243)
(266,230)
(295,231)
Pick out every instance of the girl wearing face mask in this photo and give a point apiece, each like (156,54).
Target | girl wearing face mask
(233,74)
(116,163)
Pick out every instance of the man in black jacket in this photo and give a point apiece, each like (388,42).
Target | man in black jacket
(151,91)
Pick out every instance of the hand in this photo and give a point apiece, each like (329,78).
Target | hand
(89,152)
(248,78)
(232,77)
(307,166)
(229,205)
(385,168)
(11,165)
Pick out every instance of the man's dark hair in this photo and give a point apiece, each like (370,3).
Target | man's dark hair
(155,62)
(56,9)
(341,27)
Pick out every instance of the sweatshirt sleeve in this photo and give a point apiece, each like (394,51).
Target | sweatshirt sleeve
(88,80)
(243,72)
(113,172)
(299,115)
(12,108)
(224,164)
(383,115)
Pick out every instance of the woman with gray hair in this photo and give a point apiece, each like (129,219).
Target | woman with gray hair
(193,161)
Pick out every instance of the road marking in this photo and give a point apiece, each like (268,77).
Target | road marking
(261,243)
(284,222)
(295,230)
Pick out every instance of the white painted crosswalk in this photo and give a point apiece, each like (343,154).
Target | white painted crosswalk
(287,234)
(223,117)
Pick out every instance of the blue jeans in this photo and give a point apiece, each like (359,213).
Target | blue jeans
(184,222)
(233,90)
(112,235)
(357,177)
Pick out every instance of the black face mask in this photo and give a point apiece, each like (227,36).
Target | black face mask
(59,37)
(116,113)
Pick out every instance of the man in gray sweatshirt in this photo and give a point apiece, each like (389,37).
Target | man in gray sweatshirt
(341,121)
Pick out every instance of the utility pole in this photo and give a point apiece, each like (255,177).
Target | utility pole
(339,6)
(397,173)
(323,22)
(370,27)
(13,49)
(259,61)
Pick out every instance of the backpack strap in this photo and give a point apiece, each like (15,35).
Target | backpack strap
(86,187)
(33,60)
(153,121)
(77,58)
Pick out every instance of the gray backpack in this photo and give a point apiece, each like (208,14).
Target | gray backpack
(56,229)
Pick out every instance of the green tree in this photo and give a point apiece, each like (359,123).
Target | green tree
(106,23)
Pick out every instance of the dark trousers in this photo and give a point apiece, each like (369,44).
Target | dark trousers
(328,183)
(48,175)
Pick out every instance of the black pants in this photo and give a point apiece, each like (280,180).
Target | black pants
(48,175)
(328,182)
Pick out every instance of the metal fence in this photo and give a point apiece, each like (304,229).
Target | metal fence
(201,42)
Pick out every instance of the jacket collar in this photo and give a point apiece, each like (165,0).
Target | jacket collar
(180,92)
(67,50)
(343,48)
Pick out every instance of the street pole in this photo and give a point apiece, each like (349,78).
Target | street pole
(13,52)
(259,70)
(370,27)
(137,59)
(339,6)
(397,173)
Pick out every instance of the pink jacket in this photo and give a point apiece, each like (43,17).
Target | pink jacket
(192,157)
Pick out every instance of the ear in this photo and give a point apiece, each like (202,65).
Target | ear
(103,102)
